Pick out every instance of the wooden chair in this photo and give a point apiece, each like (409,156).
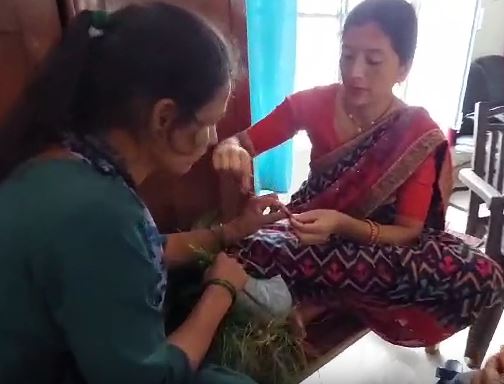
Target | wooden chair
(485,182)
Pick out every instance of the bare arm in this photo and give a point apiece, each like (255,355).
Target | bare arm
(404,232)
(413,203)
(180,246)
(315,227)
(195,335)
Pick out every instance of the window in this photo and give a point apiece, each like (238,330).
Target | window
(436,81)
(318,42)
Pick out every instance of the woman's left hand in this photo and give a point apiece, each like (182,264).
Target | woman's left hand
(254,217)
(316,227)
(493,373)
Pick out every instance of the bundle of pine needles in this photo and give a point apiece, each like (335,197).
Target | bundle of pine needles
(266,350)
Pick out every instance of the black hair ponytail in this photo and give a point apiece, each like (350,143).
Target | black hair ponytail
(108,70)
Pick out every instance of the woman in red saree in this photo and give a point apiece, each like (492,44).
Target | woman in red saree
(368,224)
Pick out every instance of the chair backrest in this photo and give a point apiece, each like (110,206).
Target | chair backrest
(488,159)
(485,82)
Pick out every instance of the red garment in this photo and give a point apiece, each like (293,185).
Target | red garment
(410,295)
(313,110)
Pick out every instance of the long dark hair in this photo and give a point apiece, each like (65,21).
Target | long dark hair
(108,70)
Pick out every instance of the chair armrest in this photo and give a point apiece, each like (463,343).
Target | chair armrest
(490,196)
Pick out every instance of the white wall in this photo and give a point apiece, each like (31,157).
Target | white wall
(437,76)
(489,38)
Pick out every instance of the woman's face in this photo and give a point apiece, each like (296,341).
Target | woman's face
(369,65)
(180,144)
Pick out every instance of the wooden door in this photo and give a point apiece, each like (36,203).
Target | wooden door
(28,28)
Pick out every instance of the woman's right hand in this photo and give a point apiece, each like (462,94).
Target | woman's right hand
(229,269)
(230,156)
(254,217)
(195,334)
(493,373)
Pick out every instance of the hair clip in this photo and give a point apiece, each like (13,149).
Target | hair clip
(93,32)
(99,20)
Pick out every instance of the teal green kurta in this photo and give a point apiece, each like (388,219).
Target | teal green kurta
(78,300)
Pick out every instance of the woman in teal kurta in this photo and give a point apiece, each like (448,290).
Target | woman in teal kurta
(78,284)
(82,278)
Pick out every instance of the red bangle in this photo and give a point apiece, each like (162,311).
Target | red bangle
(374,232)
(378,229)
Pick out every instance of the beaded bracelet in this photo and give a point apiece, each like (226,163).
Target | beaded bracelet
(378,230)
(374,232)
(224,284)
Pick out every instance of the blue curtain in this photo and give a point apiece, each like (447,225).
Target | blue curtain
(271,34)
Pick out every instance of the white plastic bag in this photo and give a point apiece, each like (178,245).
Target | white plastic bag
(268,298)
